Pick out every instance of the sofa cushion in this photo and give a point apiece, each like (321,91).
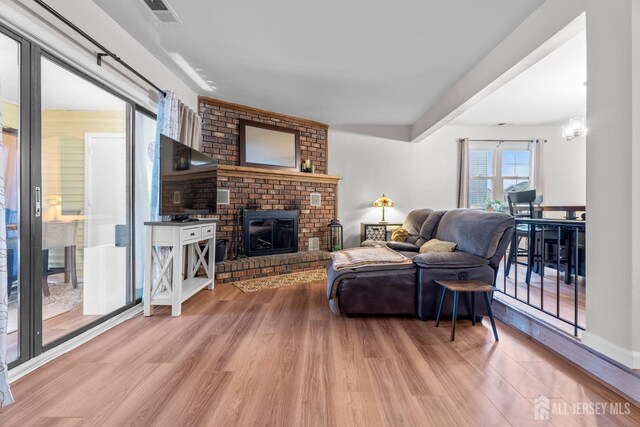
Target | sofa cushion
(413,223)
(409,254)
(334,277)
(429,227)
(435,245)
(372,291)
(476,232)
(403,246)
(449,260)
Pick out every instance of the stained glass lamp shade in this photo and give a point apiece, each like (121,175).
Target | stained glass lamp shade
(383,202)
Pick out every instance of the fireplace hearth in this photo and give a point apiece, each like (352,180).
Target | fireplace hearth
(268,232)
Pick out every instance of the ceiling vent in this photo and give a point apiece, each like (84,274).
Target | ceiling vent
(162,11)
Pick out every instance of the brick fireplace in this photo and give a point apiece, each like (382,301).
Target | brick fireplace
(258,189)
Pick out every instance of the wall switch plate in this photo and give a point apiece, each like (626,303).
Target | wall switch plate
(315,199)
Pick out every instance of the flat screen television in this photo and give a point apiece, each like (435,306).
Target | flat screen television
(187,180)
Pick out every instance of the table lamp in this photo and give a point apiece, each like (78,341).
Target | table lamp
(383,202)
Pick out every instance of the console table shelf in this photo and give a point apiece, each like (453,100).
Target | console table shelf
(190,287)
(166,282)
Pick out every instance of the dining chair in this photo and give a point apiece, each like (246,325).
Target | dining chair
(521,206)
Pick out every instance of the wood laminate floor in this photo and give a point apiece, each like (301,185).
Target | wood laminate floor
(52,329)
(279,358)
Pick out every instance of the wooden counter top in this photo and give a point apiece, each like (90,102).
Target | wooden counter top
(263,173)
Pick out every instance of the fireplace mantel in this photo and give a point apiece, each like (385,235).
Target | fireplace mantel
(263,173)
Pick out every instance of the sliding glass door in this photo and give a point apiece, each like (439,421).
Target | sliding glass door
(85,221)
(67,231)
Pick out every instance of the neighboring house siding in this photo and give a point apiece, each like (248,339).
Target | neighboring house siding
(63,171)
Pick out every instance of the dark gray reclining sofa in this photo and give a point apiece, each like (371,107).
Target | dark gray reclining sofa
(482,239)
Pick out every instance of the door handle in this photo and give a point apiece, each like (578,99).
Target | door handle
(38,202)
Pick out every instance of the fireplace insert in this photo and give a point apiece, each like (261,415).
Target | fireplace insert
(268,232)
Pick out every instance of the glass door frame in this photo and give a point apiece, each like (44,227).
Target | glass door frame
(30,227)
(37,221)
(26,342)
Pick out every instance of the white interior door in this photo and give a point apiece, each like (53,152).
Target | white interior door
(105,203)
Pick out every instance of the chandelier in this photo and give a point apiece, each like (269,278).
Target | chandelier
(574,128)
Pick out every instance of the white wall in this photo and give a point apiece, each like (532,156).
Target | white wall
(425,175)
(36,23)
(635,178)
(613,193)
(565,169)
(413,175)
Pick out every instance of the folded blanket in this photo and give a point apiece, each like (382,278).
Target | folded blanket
(367,256)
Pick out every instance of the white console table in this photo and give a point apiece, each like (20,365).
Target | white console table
(165,281)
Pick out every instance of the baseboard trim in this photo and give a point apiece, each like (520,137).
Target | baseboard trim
(614,351)
(603,369)
(35,363)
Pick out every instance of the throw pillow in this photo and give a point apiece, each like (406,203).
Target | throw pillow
(399,235)
(435,245)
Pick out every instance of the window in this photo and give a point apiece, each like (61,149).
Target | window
(495,170)
(514,171)
(481,173)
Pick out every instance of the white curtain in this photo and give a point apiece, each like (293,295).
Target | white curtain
(463,174)
(536,166)
(167,124)
(190,127)
(145,138)
(176,121)
(5,393)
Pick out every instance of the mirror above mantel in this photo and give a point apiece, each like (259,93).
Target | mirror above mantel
(268,146)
